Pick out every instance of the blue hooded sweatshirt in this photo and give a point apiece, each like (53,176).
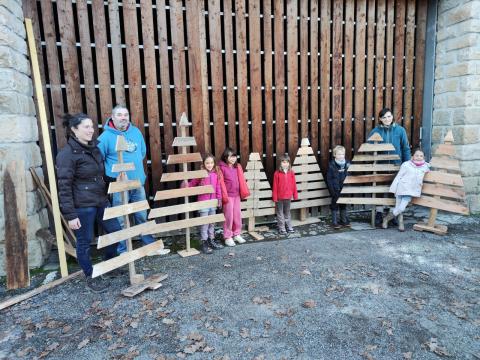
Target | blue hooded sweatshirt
(135,154)
(397,136)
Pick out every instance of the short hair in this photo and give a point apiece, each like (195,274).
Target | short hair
(118,107)
(382,112)
(337,148)
(226,153)
(72,121)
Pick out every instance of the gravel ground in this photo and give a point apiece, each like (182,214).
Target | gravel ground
(366,294)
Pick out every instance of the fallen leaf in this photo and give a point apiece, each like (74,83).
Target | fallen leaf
(306,272)
(259,258)
(134,324)
(244,333)
(231,254)
(118,345)
(83,343)
(433,346)
(195,337)
(168,321)
(262,300)
(208,349)
(407,355)
(52,346)
(227,265)
(309,304)
(390,332)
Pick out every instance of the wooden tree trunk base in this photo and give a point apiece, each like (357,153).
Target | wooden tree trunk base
(436,229)
(152,283)
(189,252)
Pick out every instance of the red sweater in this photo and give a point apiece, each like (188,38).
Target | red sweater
(284,186)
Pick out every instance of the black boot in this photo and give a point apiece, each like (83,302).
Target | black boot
(214,245)
(96,285)
(344,220)
(378,219)
(205,248)
(335,224)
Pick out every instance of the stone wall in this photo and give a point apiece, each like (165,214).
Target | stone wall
(18,126)
(457,87)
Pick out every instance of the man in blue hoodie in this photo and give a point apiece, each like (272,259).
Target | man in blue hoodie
(119,124)
(396,135)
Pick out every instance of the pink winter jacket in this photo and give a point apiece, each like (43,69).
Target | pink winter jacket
(212,179)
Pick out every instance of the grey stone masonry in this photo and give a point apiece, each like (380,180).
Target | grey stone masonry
(457,88)
(18,127)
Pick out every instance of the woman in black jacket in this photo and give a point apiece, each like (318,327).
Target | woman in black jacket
(336,174)
(82,191)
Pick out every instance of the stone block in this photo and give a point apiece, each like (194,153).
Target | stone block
(12,102)
(466,116)
(2,259)
(38,252)
(446,5)
(445,58)
(463,41)
(467,134)
(472,53)
(471,82)
(13,40)
(29,152)
(12,22)
(467,152)
(460,69)
(442,118)
(463,99)
(34,202)
(473,201)
(13,80)
(470,168)
(18,128)
(438,133)
(446,85)
(462,13)
(15,7)
(11,58)
(440,101)
(471,184)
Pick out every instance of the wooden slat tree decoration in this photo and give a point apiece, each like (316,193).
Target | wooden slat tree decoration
(312,189)
(442,188)
(183,157)
(123,185)
(376,175)
(260,202)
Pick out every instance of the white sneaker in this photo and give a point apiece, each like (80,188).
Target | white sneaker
(229,242)
(239,239)
(160,252)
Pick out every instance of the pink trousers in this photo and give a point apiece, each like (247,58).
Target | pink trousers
(233,217)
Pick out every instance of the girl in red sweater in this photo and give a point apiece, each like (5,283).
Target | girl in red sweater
(284,189)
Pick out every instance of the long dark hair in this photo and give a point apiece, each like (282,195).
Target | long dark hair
(72,121)
(226,153)
(382,112)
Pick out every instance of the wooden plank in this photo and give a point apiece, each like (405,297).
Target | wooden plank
(127,233)
(230,73)
(119,186)
(366,201)
(409,63)
(117,56)
(15,215)
(309,203)
(313,194)
(309,177)
(184,158)
(372,158)
(376,147)
(441,204)
(186,175)
(305,151)
(299,160)
(101,57)
(337,72)
(314,39)
(436,229)
(442,190)
(125,209)
(420,35)
(378,189)
(255,175)
(311,186)
(348,79)
(182,208)
(242,76)
(292,75)
(445,164)
(176,193)
(373,167)
(399,64)
(184,141)
(370,99)
(445,149)
(255,234)
(325,82)
(182,224)
(443,178)
(152,282)
(380,56)
(218,110)
(125,258)
(279,77)
(305,168)
(255,203)
(360,179)
(303,48)
(264,212)
(123,167)
(256,97)
(259,194)
(360,32)
(389,46)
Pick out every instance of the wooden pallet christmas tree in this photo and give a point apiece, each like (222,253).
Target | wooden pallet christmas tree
(312,189)
(376,178)
(260,201)
(123,185)
(442,187)
(183,142)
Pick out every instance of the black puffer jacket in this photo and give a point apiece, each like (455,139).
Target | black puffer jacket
(80,173)
(335,177)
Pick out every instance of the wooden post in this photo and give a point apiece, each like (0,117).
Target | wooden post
(42,115)
(303,212)
(183,133)
(16,243)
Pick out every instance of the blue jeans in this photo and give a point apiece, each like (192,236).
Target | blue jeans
(84,235)
(207,231)
(139,217)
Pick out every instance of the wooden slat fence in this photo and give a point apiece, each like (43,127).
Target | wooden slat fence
(256,75)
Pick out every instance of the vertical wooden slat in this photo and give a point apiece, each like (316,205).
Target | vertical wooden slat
(152,93)
(370,115)
(325,83)
(360,32)
(304,68)
(133,64)
(241,32)
(389,52)
(279,78)
(87,62)
(337,72)
(230,73)
(216,71)
(409,69)
(69,55)
(292,76)
(268,68)
(101,56)
(255,75)
(314,75)
(380,56)
(117,57)
(165,77)
(399,62)
(195,67)
(348,82)
(419,69)
(53,71)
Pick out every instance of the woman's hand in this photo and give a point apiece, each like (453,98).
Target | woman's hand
(75,224)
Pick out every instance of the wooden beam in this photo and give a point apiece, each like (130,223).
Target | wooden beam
(375,147)
(372,158)
(442,190)
(367,201)
(373,167)
(117,236)
(184,141)
(309,203)
(182,224)
(119,186)
(379,189)
(126,209)
(123,167)
(445,163)
(312,194)
(182,192)
(184,158)
(441,204)
(360,179)
(445,149)
(443,178)
(184,175)
(305,151)
(312,185)
(306,168)
(182,208)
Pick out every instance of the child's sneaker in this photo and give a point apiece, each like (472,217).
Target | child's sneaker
(291,230)
(229,242)
(205,248)
(239,239)
(282,232)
